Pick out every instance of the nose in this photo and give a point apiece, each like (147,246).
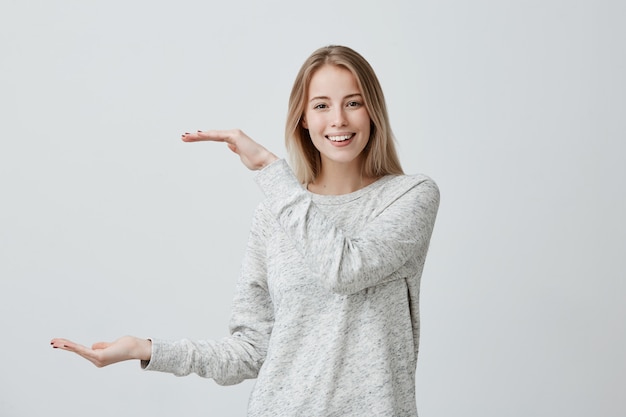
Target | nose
(339,117)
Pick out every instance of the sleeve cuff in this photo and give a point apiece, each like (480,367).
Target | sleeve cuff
(161,357)
(277,180)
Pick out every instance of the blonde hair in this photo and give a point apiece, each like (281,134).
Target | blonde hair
(380,157)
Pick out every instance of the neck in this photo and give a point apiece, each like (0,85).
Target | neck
(337,179)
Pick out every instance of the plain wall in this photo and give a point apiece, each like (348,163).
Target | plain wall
(110,225)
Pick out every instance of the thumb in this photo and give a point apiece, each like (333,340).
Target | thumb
(100,345)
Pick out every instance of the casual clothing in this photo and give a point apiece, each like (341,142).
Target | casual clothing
(326,311)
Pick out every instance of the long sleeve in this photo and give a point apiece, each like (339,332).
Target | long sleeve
(348,264)
(240,355)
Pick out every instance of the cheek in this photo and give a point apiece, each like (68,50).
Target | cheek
(314,123)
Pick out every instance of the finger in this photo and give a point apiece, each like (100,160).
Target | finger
(232,147)
(59,343)
(209,135)
(191,137)
(78,349)
(67,345)
(97,356)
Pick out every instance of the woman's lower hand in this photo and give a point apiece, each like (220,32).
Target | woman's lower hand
(253,155)
(107,353)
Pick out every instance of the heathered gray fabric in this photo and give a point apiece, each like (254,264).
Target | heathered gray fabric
(326,311)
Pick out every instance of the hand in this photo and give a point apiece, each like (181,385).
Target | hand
(105,353)
(253,155)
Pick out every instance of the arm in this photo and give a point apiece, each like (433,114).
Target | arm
(239,356)
(348,264)
(345,264)
(227,361)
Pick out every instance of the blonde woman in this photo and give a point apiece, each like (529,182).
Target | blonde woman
(326,311)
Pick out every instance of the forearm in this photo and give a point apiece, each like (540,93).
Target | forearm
(227,361)
(240,355)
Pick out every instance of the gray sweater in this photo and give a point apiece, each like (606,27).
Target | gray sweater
(326,311)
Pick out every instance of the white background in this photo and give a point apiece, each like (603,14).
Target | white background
(110,225)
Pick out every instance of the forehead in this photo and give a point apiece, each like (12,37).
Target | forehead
(332,79)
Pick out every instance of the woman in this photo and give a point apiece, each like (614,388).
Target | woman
(325,314)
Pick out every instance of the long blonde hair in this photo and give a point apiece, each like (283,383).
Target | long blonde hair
(380,153)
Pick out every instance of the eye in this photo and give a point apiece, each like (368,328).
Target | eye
(320,106)
(353,104)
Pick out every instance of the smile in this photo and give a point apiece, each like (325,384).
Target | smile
(340,138)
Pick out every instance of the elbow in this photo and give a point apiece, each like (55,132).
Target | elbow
(238,373)
(342,286)
(227,381)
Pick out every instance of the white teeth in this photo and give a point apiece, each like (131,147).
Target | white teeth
(339,138)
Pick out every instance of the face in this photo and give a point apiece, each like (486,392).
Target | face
(336,117)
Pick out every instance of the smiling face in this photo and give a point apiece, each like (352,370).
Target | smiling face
(336,117)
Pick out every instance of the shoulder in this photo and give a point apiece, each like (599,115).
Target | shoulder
(419,185)
(404,194)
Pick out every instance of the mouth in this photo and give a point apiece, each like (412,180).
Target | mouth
(340,138)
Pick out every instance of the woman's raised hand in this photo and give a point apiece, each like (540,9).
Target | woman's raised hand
(253,155)
(107,353)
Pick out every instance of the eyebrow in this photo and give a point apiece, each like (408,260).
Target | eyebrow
(328,98)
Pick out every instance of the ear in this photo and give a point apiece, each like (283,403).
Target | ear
(304,124)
